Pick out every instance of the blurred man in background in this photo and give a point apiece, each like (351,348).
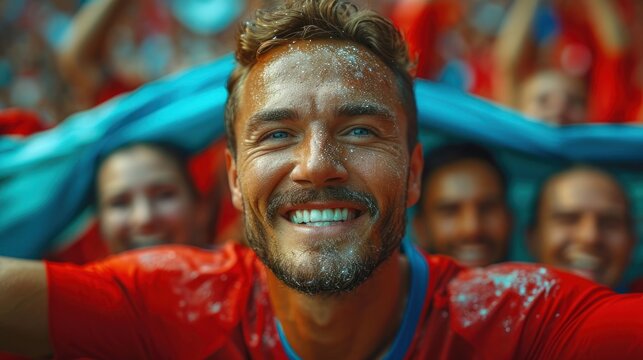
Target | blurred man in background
(582,222)
(463,209)
(145,196)
(554,97)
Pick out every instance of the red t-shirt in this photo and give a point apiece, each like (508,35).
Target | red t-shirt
(184,303)
(636,286)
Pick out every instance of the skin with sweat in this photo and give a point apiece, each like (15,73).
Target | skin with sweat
(320,126)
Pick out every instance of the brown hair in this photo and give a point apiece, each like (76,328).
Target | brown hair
(321,19)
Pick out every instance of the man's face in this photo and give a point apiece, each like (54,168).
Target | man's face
(464,214)
(143,200)
(583,226)
(322,173)
(554,98)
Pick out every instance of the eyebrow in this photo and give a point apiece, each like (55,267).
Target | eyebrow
(345,110)
(272,115)
(365,108)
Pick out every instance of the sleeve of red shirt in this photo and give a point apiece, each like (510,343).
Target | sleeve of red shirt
(537,312)
(169,302)
(584,320)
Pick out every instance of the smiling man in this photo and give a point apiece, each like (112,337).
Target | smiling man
(582,223)
(307,147)
(145,197)
(463,210)
(323,161)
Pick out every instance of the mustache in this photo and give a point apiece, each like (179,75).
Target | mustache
(332,193)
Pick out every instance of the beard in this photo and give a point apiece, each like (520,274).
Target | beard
(335,265)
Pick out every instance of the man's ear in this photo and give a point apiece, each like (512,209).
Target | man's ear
(414,184)
(233,180)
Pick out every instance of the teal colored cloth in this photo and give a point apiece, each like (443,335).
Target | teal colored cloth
(46,180)
(529,151)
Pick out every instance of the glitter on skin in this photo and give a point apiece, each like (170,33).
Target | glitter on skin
(323,138)
(477,292)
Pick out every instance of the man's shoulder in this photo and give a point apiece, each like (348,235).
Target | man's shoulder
(166,300)
(526,280)
(501,303)
(477,293)
(516,290)
(441,268)
(179,259)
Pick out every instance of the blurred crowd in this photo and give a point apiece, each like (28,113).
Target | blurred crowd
(562,62)
(557,60)
(59,57)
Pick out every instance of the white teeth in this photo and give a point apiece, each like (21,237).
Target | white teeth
(585,262)
(468,255)
(321,217)
(337,215)
(315,215)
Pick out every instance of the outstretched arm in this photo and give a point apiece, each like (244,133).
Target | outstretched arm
(608,26)
(612,330)
(510,48)
(23,308)
(80,58)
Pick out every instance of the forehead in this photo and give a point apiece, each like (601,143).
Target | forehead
(584,190)
(331,70)
(551,83)
(138,165)
(464,179)
(330,57)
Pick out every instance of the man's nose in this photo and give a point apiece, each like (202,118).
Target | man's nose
(470,224)
(588,231)
(142,215)
(319,161)
(557,108)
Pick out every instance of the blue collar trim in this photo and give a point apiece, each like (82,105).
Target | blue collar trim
(419,282)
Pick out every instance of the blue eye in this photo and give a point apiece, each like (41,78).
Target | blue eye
(278,135)
(360,132)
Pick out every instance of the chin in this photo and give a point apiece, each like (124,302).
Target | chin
(328,268)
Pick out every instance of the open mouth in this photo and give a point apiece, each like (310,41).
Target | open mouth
(471,253)
(585,262)
(139,241)
(587,265)
(322,217)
